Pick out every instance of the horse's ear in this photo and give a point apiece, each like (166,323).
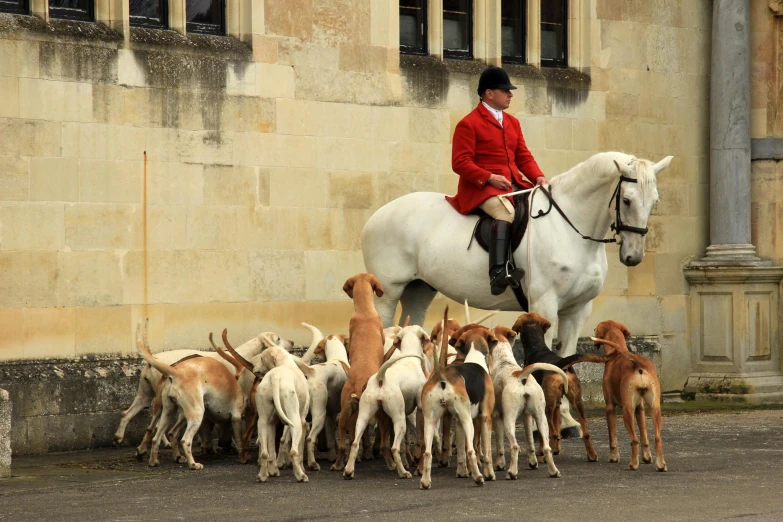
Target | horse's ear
(625,170)
(662,165)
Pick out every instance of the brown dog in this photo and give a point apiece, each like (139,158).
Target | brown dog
(531,329)
(628,379)
(365,352)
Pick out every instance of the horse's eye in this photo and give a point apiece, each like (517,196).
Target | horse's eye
(627,201)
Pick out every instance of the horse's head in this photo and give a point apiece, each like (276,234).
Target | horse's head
(633,202)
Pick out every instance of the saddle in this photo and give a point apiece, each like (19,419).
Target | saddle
(482,231)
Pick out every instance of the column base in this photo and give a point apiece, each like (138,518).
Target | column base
(735,330)
(730,255)
(747,388)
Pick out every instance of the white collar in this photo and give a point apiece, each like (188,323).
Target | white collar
(498,114)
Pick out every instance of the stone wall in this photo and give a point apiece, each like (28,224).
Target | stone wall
(6,408)
(211,182)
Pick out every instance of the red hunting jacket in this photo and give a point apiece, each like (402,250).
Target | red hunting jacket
(482,147)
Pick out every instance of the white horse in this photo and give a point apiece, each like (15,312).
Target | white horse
(416,246)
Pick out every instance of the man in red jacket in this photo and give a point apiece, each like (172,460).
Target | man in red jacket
(488,152)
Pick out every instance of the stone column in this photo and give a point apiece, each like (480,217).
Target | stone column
(734,295)
(730,135)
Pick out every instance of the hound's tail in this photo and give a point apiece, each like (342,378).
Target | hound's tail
(238,367)
(143,345)
(439,359)
(278,403)
(385,366)
(621,351)
(525,372)
(567,362)
(317,338)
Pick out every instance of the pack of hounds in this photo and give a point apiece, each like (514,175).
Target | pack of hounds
(411,385)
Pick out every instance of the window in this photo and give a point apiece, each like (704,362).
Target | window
(458,29)
(73,9)
(513,25)
(205,16)
(554,33)
(14,6)
(413,26)
(149,13)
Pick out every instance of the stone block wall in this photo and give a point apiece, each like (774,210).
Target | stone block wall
(211,182)
(6,408)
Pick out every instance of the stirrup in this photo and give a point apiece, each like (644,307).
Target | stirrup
(513,274)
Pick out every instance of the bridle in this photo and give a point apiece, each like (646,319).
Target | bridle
(617,226)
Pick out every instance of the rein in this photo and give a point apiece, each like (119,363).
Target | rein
(617,226)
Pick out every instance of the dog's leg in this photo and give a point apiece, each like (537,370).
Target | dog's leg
(575,397)
(642,422)
(330,427)
(244,454)
(413,431)
(420,434)
(500,443)
(369,451)
(652,397)
(508,424)
(459,438)
(318,414)
(400,424)
(486,442)
(611,424)
(527,424)
(429,424)
(148,435)
(384,430)
(283,455)
(552,417)
(205,433)
(628,409)
(367,409)
(445,453)
(174,435)
(342,425)
(194,413)
(264,428)
(144,397)
(168,411)
(466,423)
(274,441)
(292,408)
(543,428)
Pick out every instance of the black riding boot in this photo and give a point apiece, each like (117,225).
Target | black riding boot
(499,275)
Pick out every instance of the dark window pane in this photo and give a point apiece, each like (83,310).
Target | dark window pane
(554,34)
(413,26)
(205,16)
(148,12)
(513,27)
(14,6)
(458,28)
(76,9)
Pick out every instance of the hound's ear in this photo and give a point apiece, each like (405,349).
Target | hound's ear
(424,338)
(453,340)
(492,341)
(545,324)
(518,323)
(377,286)
(626,331)
(267,341)
(458,345)
(348,286)
(343,338)
(320,348)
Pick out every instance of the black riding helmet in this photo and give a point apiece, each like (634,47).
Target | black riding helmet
(494,78)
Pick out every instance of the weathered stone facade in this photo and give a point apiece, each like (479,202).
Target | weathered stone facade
(211,182)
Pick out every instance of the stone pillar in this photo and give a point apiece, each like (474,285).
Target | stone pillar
(5,434)
(734,295)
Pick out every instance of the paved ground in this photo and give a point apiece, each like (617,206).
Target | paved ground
(721,465)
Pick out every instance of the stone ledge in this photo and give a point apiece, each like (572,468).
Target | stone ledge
(5,434)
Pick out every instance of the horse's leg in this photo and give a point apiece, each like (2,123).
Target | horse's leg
(415,300)
(569,325)
(386,306)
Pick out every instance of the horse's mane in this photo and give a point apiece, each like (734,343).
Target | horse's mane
(603,162)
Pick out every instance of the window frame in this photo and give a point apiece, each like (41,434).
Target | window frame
(559,63)
(151,23)
(517,60)
(65,13)
(22,7)
(423,50)
(208,29)
(458,54)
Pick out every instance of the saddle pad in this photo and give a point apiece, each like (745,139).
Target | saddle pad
(518,227)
